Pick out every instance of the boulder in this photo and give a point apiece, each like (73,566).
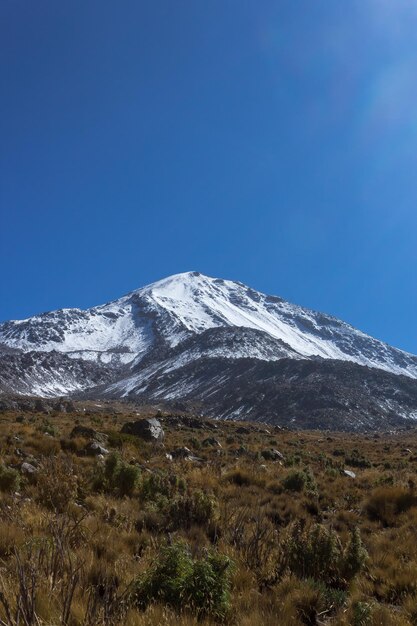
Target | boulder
(95,449)
(272,455)
(64,405)
(88,433)
(181,453)
(28,468)
(212,441)
(147,429)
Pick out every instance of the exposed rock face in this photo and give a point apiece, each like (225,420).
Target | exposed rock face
(147,429)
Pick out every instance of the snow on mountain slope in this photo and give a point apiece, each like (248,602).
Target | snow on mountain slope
(105,333)
(166,314)
(198,302)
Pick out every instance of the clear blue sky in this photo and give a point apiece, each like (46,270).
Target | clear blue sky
(269,142)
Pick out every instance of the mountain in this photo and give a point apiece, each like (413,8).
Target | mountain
(217,345)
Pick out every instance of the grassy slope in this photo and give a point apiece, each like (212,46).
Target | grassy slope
(69,534)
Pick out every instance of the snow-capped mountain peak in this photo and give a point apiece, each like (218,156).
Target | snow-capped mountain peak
(153,326)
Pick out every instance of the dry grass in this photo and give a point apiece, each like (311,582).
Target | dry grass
(72,548)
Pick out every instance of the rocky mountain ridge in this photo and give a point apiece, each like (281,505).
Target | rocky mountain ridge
(216,344)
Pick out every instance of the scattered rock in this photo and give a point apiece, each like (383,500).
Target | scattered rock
(194,459)
(88,433)
(148,429)
(212,441)
(272,455)
(28,468)
(95,449)
(64,405)
(21,453)
(188,421)
(181,453)
(349,473)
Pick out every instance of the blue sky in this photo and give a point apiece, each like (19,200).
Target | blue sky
(269,142)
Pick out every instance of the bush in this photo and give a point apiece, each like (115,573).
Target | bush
(163,484)
(126,479)
(313,552)
(361,614)
(57,484)
(295,481)
(118,475)
(9,479)
(240,477)
(179,581)
(199,508)
(386,503)
(316,552)
(355,555)
(356,459)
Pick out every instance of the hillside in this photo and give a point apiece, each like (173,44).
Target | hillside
(206,522)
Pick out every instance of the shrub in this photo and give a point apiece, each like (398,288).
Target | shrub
(361,614)
(179,581)
(356,459)
(118,475)
(199,508)
(162,484)
(311,485)
(57,484)
(316,552)
(9,479)
(239,477)
(313,552)
(385,503)
(112,466)
(295,481)
(126,479)
(355,555)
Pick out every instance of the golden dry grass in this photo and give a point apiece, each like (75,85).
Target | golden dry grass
(71,547)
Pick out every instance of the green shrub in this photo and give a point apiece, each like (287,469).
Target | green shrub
(117,475)
(356,459)
(162,484)
(315,552)
(181,582)
(361,614)
(199,508)
(9,479)
(311,485)
(295,481)
(126,479)
(112,466)
(355,555)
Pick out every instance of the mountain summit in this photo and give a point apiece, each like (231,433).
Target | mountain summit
(188,337)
